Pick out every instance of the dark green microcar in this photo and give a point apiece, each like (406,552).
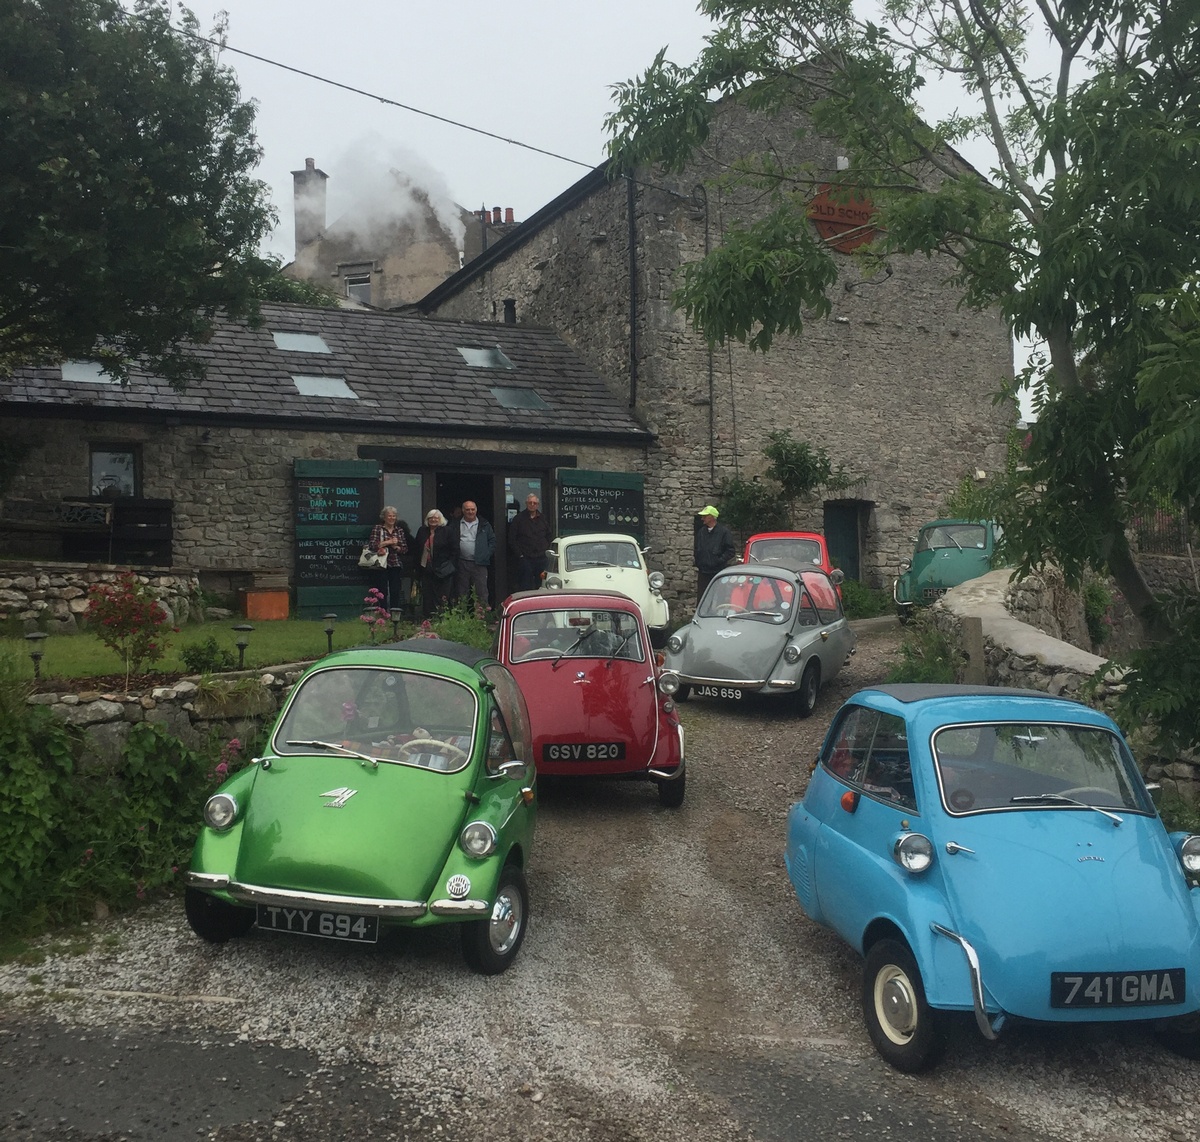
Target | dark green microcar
(397,790)
(947,552)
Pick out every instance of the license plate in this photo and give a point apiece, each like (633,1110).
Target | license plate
(583,751)
(933,592)
(1117,989)
(718,692)
(310,922)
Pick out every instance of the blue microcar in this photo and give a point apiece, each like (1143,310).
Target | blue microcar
(996,851)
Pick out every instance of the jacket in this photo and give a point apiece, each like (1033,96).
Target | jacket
(714,548)
(485,541)
(529,536)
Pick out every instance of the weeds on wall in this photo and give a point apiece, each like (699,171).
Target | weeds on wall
(926,654)
(862,602)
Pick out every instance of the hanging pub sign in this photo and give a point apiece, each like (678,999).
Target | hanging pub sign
(601,501)
(843,217)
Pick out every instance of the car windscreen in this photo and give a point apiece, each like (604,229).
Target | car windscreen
(1028,765)
(789,550)
(576,633)
(964,536)
(402,716)
(605,553)
(766,597)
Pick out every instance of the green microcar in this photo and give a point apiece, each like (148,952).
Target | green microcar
(947,552)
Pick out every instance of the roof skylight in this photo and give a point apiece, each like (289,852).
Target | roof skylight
(509,396)
(492,358)
(87,373)
(299,342)
(324,387)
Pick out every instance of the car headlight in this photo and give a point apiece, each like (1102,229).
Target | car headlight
(668,682)
(553,582)
(1189,855)
(220,811)
(478,839)
(657,580)
(913,852)
(674,644)
(791,654)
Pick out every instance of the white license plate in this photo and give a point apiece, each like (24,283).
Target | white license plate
(1117,988)
(718,692)
(327,925)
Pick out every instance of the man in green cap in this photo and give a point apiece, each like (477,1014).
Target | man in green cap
(714,547)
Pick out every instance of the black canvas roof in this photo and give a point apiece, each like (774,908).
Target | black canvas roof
(405,371)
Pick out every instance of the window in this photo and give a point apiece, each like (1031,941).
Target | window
(114,471)
(86,372)
(870,750)
(358,286)
(300,342)
(488,358)
(517,398)
(324,387)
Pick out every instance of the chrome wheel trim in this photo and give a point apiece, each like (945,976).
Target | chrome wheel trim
(504,925)
(895,1004)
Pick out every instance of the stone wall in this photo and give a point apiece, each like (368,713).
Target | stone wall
(895,384)
(54,596)
(991,618)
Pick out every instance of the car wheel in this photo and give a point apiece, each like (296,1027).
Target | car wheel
(1180,1036)
(809,688)
(491,944)
(214,920)
(683,693)
(906,1031)
(670,793)
(904,614)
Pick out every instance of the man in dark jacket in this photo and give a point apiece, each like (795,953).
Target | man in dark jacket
(476,546)
(714,547)
(529,535)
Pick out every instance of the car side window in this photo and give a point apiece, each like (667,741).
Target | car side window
(847,751)
(509,714)
(888,772)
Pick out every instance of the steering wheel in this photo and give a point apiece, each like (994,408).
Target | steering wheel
(727,609)
(541,652)
(432,745)
(962,800)
(1079,790)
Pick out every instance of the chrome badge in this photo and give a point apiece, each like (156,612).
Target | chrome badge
(458,886)
(340,797)
(728,633)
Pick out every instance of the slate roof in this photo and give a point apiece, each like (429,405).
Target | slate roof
(406,371)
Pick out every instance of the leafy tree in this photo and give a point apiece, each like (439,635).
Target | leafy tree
(1084,234)
(128,217)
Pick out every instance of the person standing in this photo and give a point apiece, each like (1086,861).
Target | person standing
(529,535)
(438,547)
(714,547)
(476,546)
(391,536)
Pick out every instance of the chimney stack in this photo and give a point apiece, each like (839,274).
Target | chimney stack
(508,216)
(308,197)
(495,216)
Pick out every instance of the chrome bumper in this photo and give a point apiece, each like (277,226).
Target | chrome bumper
(676,773)
(988,1029)
(328,902)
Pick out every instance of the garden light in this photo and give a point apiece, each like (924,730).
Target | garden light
(242,642)
(330,620)
(36,650)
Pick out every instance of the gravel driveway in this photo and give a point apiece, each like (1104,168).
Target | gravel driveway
(670,989)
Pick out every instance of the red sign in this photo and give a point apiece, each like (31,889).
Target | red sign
(843,217)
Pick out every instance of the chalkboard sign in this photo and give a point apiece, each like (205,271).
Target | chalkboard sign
(601,501)
(337,504)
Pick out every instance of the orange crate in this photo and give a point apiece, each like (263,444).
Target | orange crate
(262,604)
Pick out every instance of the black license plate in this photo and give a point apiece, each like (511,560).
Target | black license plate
(933,592)
(718,692)
(1090,989)
(583,751)
(328,925)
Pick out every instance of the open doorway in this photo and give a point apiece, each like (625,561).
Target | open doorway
(452,490)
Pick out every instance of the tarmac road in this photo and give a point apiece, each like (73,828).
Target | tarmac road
(670,989)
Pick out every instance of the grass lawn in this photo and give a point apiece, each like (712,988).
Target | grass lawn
(270,643)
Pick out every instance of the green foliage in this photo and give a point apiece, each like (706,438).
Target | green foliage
(128,619)
(279,287)
(748,506)
(926,654)
(1097,603)
(1178,814)
(862,602)
(128,214)
(462,622)
(207,657)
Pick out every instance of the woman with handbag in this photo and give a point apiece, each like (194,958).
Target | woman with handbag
(391,539)
(437,547)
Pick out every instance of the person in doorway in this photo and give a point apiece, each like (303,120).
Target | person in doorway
(438,548)
(529,535)
(714,547)
(476,546)
(391,536)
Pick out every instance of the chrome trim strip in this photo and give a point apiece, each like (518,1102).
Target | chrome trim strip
(981,1015)
(747,684)
(677,772)
(351,905)
(459,907)
(205,880)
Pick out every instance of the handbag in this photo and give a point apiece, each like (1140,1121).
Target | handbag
(444,569)
(375,561)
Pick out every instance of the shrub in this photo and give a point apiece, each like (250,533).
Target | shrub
(1097,603)
(926,654)
(462,622)
(862,602)
(128,619)
(207,657)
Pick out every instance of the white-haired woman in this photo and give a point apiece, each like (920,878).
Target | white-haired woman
(391,536)
(437,560)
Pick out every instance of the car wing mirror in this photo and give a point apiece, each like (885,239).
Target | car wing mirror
(514,770)
(551,553)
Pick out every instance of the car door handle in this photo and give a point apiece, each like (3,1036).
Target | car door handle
(953,847)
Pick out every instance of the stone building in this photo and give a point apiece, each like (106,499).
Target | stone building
(228,478)
(896,384)
(397,246)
